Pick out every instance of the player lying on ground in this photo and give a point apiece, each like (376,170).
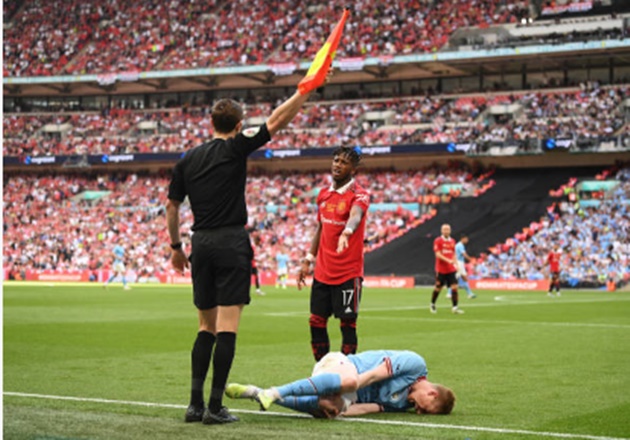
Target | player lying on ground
(364,383)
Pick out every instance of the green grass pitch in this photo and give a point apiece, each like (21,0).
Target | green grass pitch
(523,366)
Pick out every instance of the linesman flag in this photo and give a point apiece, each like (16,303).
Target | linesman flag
(316,74)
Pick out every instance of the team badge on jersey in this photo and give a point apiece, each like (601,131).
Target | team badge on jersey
(341,207)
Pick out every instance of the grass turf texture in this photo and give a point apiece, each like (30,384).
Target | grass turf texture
(520,363)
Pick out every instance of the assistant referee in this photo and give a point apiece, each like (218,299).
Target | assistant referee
(213,176)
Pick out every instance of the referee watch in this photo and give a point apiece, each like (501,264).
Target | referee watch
(176,246)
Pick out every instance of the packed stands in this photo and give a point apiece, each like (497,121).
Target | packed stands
(593,232)
(76,37)
(70,222)
(9,8)
(136,36)
(402,27)
(46,35)
(238,33)
(603,26)
(588,113)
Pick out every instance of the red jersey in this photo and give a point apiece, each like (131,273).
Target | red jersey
(446,246)
(553,258)
(333,212)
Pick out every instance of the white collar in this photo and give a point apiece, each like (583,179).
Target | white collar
(343,189)
(444,238)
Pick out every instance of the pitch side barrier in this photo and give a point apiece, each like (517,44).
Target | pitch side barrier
(100,159)
(267,278)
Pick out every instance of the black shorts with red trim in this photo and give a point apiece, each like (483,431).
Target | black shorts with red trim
(446,279)
(341,300)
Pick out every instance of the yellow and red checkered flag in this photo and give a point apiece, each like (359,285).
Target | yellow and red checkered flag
(316,74)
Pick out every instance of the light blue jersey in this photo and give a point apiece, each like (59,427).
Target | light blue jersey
(406,368)
(282,260)
(119,253)
(460,251)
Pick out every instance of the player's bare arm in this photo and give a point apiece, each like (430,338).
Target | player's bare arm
(356,215)
(178,257)
(360,409)
(382,372)
(307,262)
(439,255)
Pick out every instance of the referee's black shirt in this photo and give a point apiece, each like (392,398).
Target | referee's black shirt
(213,177)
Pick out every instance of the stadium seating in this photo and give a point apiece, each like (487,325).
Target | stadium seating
(53,37)
(587,113)
(44,35)
(599,26)
(66,222)
(593,237)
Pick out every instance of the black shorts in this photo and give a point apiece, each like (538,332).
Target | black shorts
(254,270)
(445,279)
(221,264)
(342,300)
(555,274)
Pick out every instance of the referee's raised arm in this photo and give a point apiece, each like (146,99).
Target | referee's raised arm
(284,114)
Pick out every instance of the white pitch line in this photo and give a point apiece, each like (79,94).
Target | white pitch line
(466,320)
(372,421)
(491,321)
(482,321)
(504,303)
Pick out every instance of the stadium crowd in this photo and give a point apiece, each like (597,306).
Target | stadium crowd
(62,222)
(45,35)
(136,36)
(590,112)
(84,37)
(381,29)
(587,113)
(594,241)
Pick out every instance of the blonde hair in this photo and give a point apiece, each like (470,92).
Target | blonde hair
(445,401)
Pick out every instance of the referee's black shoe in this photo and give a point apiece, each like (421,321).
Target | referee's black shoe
(194,414)
(223,416)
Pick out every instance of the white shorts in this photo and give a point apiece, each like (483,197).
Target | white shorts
(119,266)
(282,272)
(461,269)
(336,362)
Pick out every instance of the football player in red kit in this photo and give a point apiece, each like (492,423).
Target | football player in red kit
(445,268)
(553,259)
(337,250)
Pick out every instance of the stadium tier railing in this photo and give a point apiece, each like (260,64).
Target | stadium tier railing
(342,64)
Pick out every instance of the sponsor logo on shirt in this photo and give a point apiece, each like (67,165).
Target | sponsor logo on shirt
(332,222)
